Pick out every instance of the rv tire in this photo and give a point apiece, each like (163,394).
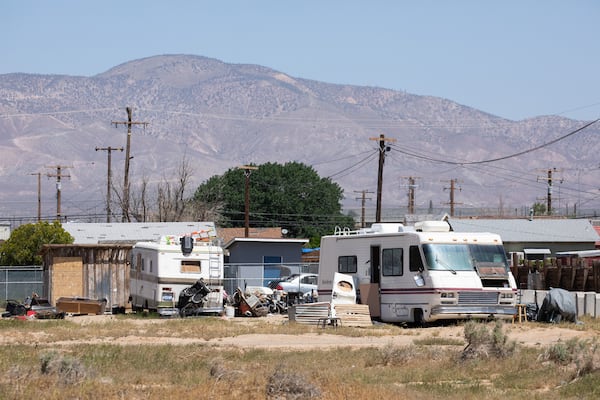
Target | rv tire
(418,318)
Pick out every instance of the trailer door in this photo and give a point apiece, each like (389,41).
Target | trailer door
(370,293)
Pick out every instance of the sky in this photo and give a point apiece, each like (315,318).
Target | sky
(516,59)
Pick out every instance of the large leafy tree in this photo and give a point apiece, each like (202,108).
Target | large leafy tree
(24,244)
(292,196)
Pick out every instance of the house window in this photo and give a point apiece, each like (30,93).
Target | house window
(347,264)
(392,262)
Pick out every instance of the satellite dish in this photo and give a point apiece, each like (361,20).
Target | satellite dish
(284,231)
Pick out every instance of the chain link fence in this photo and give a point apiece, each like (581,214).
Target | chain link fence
(247,274)
(16,283)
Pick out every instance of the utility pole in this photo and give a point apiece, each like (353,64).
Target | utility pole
(363,199)
(129,123)
(382,150)
(247,172)
(452,188)
(548,179)
(58,175)
(39,195)
(412,186)
(109,175)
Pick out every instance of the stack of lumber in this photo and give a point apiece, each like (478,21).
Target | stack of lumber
(353,314)
(308,313)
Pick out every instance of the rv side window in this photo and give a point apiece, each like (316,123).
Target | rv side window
(347,264)
(392,262)
(416,262)
(191,266)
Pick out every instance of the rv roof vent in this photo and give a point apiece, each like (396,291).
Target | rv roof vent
(387,228)
(187,244)
(432,226)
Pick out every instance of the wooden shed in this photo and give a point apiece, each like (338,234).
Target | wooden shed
(93,271)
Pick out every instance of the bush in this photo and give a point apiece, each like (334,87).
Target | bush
(483,343)
(286,385)
(68,370)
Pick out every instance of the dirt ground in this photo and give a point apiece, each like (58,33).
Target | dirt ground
(526,334)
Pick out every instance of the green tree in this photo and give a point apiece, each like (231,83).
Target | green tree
(292,196)
(539,209)
(25,243)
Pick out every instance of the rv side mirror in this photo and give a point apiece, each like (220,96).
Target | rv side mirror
(187,244)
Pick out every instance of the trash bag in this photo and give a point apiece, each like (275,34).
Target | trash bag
(558,305)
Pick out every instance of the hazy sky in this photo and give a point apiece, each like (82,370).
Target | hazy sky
(513,58)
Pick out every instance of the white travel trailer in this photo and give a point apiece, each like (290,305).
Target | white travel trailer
(422,273)
(162,270)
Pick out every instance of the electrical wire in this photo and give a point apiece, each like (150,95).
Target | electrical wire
(499,158)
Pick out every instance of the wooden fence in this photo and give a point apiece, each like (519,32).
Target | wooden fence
(578,276)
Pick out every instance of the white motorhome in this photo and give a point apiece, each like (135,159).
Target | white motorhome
(422,273)
(161,270)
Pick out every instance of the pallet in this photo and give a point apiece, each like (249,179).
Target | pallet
(309,313)
(356,315)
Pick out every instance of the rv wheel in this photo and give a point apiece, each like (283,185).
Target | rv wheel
(418,318)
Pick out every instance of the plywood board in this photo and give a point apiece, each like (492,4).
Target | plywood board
(67,278)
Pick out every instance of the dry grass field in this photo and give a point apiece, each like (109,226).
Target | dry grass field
(133,357)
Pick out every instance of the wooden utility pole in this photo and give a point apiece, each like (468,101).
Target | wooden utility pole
(247,172)
(452,188)
(109,176)
(39,195)
(412,186)
(382,150)
(129,123)
(58,175)
(363,199)
(549,180)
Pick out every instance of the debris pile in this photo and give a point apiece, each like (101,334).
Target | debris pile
(199,299)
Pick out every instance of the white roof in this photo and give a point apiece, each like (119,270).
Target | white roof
(536,230)
(93,233)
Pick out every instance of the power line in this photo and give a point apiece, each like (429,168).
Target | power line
(503,157)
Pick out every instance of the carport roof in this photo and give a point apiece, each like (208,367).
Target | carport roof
(536,230)
(115,232)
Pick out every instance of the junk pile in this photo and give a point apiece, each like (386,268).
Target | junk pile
(33,307)
(199,299)
(257,301)
(559,305)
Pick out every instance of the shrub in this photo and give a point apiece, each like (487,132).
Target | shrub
(286,385)
(483,343)
(69,370)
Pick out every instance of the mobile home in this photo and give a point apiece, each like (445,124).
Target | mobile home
(161,270)
(422,273)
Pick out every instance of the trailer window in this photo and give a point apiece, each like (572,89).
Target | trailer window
(416,262)
(347,264)
(392,262)
(191,266)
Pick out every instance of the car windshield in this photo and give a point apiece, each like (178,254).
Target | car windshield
(463,257)
(291,278)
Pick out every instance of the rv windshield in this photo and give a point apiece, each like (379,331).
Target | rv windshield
(462,257)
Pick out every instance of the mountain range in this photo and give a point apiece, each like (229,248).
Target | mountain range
(219,116)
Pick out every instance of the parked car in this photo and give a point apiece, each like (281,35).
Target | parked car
(295,284)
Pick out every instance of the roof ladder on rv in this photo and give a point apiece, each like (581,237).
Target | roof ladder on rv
(214,270)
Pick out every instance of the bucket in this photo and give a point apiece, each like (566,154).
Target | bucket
(229,311)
